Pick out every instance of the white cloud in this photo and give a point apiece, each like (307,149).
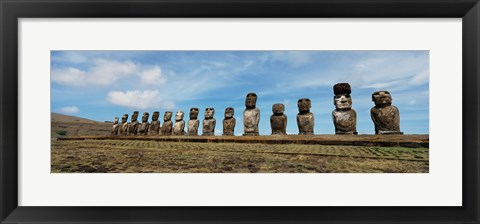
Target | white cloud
(153,76)
(103,72)
(69,110)
(139,99)
(69,76)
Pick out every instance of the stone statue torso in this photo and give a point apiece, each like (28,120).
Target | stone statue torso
(209,127)
(166,128)
(133,127)
(143,128)
(124,129)
(229,126)
(305,123)
(115,129)
(154,128)
(278,124)
(251,117)
(385,119)
(193,127)
(179,128)
(345,121)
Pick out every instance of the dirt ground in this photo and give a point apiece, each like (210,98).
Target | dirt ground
(137,156)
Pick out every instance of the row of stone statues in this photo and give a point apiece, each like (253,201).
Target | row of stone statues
(385,117)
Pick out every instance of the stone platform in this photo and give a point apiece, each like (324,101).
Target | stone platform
(410,141)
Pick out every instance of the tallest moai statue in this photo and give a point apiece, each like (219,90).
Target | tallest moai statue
(251,115)
(344,117)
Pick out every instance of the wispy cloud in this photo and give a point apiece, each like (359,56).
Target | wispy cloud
(69,110)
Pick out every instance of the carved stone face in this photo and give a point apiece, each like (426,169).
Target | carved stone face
(229,112)
(304,105)
(343,101)
(167,116)
(194,113)
(155,116)
(209,112)
(145,117)
(134,116)
(278,108)
(124,118)
(179,115)
(115,120)
(382,98)
(251,100)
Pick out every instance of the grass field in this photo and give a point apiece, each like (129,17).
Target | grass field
(137,156)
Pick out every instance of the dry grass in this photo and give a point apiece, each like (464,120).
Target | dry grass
(136,156)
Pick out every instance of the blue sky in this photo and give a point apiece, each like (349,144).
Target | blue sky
(101,85)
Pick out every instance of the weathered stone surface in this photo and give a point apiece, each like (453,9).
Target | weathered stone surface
(143,128)
(251,115)
(344,117)
(193,123)
(167,124)
(209,122)
(124,128)
(115,127)
(278,121)
(179,126)
(305,119)
(133,125)
(385,117)
(154,128)
(229,122)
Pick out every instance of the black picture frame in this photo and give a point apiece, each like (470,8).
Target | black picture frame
(11,11)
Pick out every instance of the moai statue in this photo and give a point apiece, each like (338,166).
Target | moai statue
(344,117)
(167,124)
(278,121)
(179,126)
(251,115)
(193,123)
(143,128)
(124,128)
(133,125)
(385,116)
(154,127)
(209,122)
(229,122)
(305,118)
(115,127)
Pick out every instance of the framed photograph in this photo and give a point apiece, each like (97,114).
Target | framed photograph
(249,112)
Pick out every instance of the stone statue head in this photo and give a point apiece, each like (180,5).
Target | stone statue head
(304,105)
(251,100)
(342,102)
(382,98)
(278,108)
(155,116)
(179,115)
(229,112)
(124,118)
(134,116)
(167,116)
(193,113)
(209,112)
(115,120)
(145,116)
